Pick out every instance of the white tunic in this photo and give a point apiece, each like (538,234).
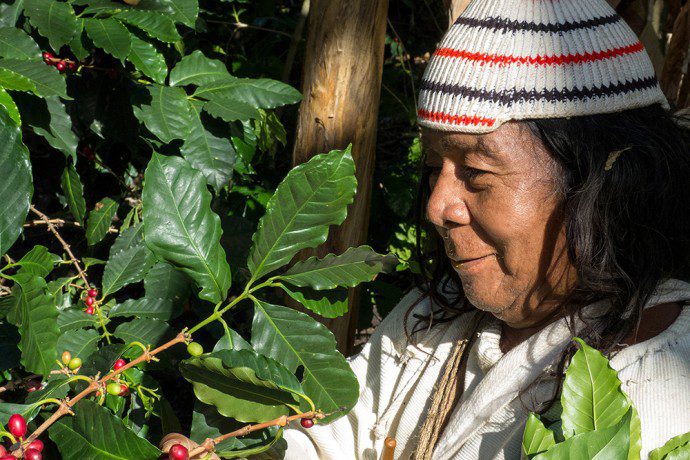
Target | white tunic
(397,381)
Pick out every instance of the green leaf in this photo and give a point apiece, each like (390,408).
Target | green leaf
(13,81)
(242,385)
(184,11)
(164,282)
(295,339)
(313,196)
(74,192)
(144,330)
(69,320)
(8,104)
(81,45)
(49,119)
(28,411)
(671,445)
(16,188)
(679,453)
(611,443)
(94,432)
(54,20)
(81,343)
(34,76)
(591,397)
(156,25)
(98,224)
(38,327)
(230,109)
(145,308)
(213,156)
(38,261)
(167,116)
(110,35)
(180,227)
(128,261)
(208,423)
(354,266)
(262,93)
(17,44)
(148,60)
(197,69)
(329,304)
(536,438)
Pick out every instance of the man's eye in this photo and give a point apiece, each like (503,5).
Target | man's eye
(472,173)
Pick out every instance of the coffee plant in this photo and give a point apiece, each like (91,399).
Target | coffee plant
(594,419)
(98,301)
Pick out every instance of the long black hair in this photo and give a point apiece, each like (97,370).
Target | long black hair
(625,190)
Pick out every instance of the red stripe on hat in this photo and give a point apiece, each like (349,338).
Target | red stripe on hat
(485,58)
(440,117)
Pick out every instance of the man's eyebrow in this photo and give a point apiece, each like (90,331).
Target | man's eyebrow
(480,146)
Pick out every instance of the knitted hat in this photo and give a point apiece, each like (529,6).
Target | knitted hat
(515,59)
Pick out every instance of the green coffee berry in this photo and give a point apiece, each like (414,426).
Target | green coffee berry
(195,349)
(74,363)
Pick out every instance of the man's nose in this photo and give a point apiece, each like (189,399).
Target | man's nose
(447,206)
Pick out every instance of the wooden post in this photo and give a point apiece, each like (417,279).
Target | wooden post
(455,9)
(341,88)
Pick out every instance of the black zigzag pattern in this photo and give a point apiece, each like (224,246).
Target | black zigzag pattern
(507,25)
(508,97)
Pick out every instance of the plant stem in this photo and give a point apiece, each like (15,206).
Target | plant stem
(64,244)
(209,444)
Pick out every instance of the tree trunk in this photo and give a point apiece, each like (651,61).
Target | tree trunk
(455,9)
(341,87)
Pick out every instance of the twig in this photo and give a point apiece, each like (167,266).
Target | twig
(60,223)
(18,382)
(64,244)
(242,25)
(209,444)
(294,42)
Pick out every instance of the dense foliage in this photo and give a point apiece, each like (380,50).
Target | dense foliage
(143,210)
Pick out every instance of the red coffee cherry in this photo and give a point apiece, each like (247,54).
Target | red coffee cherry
(93,293)
(124,390)
(178,452)
(36,444)
(3,451)
(17,425)
(119,364)
(88,301)
(89,310)
(61,66)
(32,454)
(72,66)
(306,423)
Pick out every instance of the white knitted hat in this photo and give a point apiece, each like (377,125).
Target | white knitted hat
(515,59)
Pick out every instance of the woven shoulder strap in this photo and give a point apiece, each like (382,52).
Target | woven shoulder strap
(448,391)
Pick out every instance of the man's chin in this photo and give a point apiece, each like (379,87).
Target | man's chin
(484,302)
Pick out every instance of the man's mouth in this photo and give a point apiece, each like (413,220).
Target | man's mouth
(468,262)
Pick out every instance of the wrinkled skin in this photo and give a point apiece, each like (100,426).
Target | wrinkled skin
(496,196)
(495,201)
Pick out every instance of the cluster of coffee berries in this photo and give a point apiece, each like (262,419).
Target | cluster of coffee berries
(72,363)
(178,452)
(90,300)
(117,389)
(60,64)
(17,426)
